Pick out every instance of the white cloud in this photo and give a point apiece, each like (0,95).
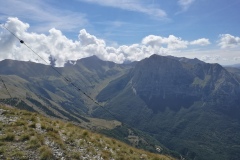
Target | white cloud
(173,42)
(201,42)
(7,41)
(153,40)
(185,4)
(61,48)
(176,42)
(87,39)
(229,41)
(223,57)
(130,5)
(237,59)
(210,58)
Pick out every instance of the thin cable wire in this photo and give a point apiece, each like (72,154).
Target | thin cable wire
(11,32)
(75,86)
(65,78)
(71,83)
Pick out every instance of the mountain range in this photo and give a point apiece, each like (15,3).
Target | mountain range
(186,105)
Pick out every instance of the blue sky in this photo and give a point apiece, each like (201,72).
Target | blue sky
(128,29)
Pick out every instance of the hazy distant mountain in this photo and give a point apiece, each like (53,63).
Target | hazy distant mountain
(189,106)
(234,66)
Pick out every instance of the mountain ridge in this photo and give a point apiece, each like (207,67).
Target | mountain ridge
(161,87)
(171,99)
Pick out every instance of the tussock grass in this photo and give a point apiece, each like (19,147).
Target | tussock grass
(1,126)
(33,118)
(20,122)
(76,155)
(19,155)
(25,137)
(34,133)
(2,143)
(46,153)
(8,137)
(35,142)
(2,150)
(32,125)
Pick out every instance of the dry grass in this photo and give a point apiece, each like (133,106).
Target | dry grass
(33,133)
(46,153)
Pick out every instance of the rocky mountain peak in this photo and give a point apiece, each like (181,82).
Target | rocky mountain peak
(163,81)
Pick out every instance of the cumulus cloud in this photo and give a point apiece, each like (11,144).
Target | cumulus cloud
(201,42)
(211,58)
(172,42)
(228,41)
(87,39)
(185,4)
(7,41)
(56,46)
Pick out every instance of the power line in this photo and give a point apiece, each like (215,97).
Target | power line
(72,84)
(62,76)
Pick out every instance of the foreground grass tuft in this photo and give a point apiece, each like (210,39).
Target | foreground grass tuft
(46,153)
(8,137)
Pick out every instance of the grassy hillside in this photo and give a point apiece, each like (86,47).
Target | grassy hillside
(27,135)
(166,101)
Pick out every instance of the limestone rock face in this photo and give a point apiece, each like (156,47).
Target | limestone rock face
(166,82)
